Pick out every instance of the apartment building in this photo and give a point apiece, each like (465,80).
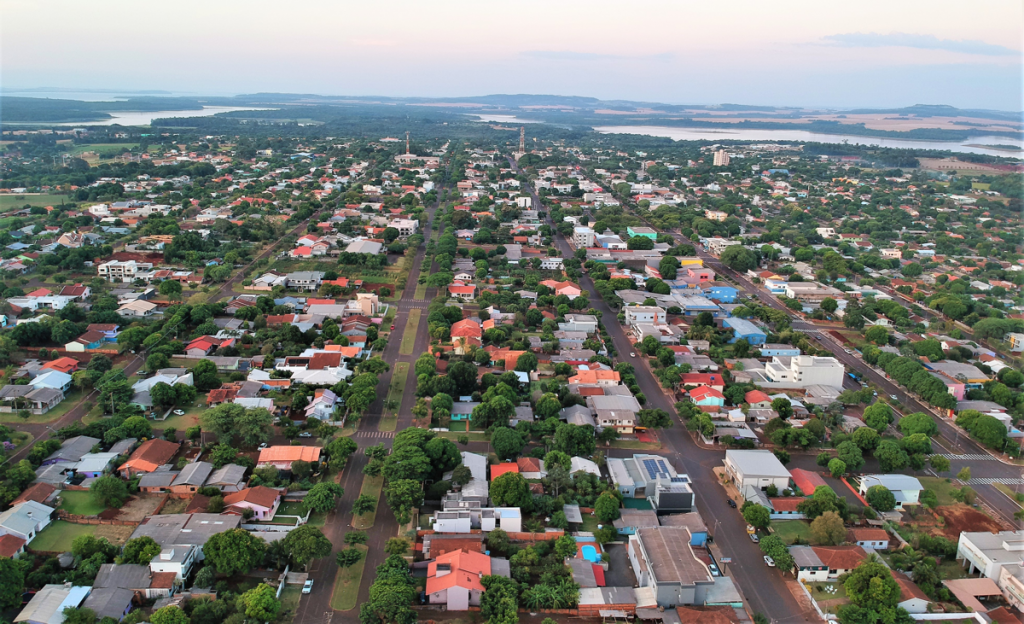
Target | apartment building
(644,314)
(124,272)
(721,158)
(582,237)
(405,227)
(805,370)
(997,556)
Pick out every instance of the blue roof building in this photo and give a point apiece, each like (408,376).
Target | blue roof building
(721,292)
(743,328)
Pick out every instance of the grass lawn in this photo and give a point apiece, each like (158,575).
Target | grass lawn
(409,337)
(818,596)
(1005,489)
(789,530)
(290,596)
(58,536)
(942,489)
(317,519)
(589,523)
(346,584)
(70,400)
(389,420)
(104,148)
(80,503)
(13,202)
(371,487)
(291,509)
(421,291)
(189,419)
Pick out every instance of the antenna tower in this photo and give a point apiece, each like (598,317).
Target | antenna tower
(407,142)
(522,139)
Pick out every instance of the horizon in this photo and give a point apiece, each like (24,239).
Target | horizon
(788,54)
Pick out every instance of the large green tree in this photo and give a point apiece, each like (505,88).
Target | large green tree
(234,551)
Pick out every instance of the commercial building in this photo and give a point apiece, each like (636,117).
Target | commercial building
(646,232)
(744,329)
(757,469)
(663,561)
(582,237)
(905,488)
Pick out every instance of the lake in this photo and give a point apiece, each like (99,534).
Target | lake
(973,145)
(142,118)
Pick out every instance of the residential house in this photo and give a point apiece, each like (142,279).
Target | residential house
(137,308)
(905,488)
(531,468)
(453,579)
(88,341)
(150,455)
(281,457)
(706,398)
(459,290)
(869,537)
(192,477)
(72,450)
(52,379)
(227,479)
(322,406)
(47,605)
(263,501)
(25,520)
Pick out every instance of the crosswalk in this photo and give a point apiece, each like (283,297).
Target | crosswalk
(991,480)
(969,456)
(374,434)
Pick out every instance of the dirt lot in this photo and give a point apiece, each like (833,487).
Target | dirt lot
(137,508)
(960,517)
(115,534)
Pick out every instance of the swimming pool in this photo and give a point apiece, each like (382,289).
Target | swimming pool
(590,553)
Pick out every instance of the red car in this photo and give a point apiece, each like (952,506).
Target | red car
(392,328)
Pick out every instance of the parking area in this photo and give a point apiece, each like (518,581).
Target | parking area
(620,573)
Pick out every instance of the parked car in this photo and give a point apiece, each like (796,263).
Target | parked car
(769,561)
(305,434)
(754,538)
(307,587)
(732,503)
(894,397)
(263,446)
(632,355)
(751,529)
(392,328)
(714,570)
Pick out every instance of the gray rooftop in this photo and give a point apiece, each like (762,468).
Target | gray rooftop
(73,449)
(757,463)
(229,474)
(195,529)
(195,474)
(572,513)
(672,560)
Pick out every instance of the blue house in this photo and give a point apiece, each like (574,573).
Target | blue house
(743,328)
(723,293)
(768,350)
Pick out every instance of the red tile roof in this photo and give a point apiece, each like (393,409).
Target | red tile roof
(10,545)
(467,568)
(280,454)
(840,557)
(528,464)
(150,456)
(786,503)
(320,361)
(756,396)
(37,492)
(806,480)
(259,495)
(63,364)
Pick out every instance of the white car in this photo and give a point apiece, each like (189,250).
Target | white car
(307,587)
(263,446)
(769,561)
(894,397)
(632,355)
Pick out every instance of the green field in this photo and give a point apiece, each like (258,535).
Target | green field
(943,490)
(12,202)
(290,597)
(789,530)
(409,336)
(346,584)
(371,487)
(58,536)
(389,419)
(636,444)
(80,503)
(421,292)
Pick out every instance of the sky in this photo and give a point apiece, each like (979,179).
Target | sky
(870,53)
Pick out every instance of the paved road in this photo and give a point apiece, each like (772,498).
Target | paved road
(766,593)
(316,607)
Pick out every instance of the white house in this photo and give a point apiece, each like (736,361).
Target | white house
(906,489)
(25,520)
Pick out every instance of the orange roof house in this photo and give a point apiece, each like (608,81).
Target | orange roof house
(261,499)
(63,364)
(11,545)
(840,558)
(806,480)
(283,456)
(499,469)
(466,329)
(453,579)
(148,457)
(600,377)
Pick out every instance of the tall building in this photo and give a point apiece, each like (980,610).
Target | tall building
(721,158)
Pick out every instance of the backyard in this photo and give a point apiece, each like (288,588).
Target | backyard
(58,536)
(789,531)
(80,503)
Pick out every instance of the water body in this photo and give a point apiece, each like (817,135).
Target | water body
(145,118)
(972,145)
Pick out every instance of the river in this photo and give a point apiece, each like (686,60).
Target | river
(145,118)
(972,145)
